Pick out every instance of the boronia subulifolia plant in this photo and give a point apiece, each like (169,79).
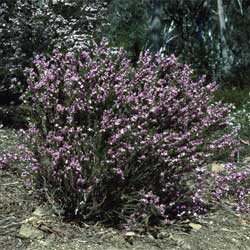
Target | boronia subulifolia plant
(233,185)
(122,144)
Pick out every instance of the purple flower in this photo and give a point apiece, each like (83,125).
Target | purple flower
(59,108)
(59,138)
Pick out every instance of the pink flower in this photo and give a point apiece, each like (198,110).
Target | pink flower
(59,108)
(59,138)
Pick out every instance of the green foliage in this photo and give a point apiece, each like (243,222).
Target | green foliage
(236,96)
(14,116)
(239,76)
(128,26)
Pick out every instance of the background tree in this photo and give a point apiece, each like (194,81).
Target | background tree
(128,25)
(155,27)
(31,27)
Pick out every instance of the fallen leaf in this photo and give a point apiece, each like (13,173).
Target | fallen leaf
(194,226)
(227,230)
(130,234)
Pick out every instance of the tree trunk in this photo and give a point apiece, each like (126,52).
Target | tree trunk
(155,28)
(223,45)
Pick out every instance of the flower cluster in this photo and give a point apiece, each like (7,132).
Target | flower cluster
(233,184)
(122,143)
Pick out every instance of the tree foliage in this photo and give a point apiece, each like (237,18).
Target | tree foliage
(29,28)
(194,30)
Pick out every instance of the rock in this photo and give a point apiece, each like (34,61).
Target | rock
(27,231)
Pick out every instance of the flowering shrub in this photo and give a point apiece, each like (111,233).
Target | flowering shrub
(119,143)
(233,184)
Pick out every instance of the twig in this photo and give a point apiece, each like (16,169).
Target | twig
(245,142)
(5,232)
(11,225)
(10,184)
(49,199)
(7,219)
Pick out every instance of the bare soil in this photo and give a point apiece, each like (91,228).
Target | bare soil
(221,229)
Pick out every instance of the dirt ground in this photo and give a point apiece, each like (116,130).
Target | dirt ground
(25,223)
